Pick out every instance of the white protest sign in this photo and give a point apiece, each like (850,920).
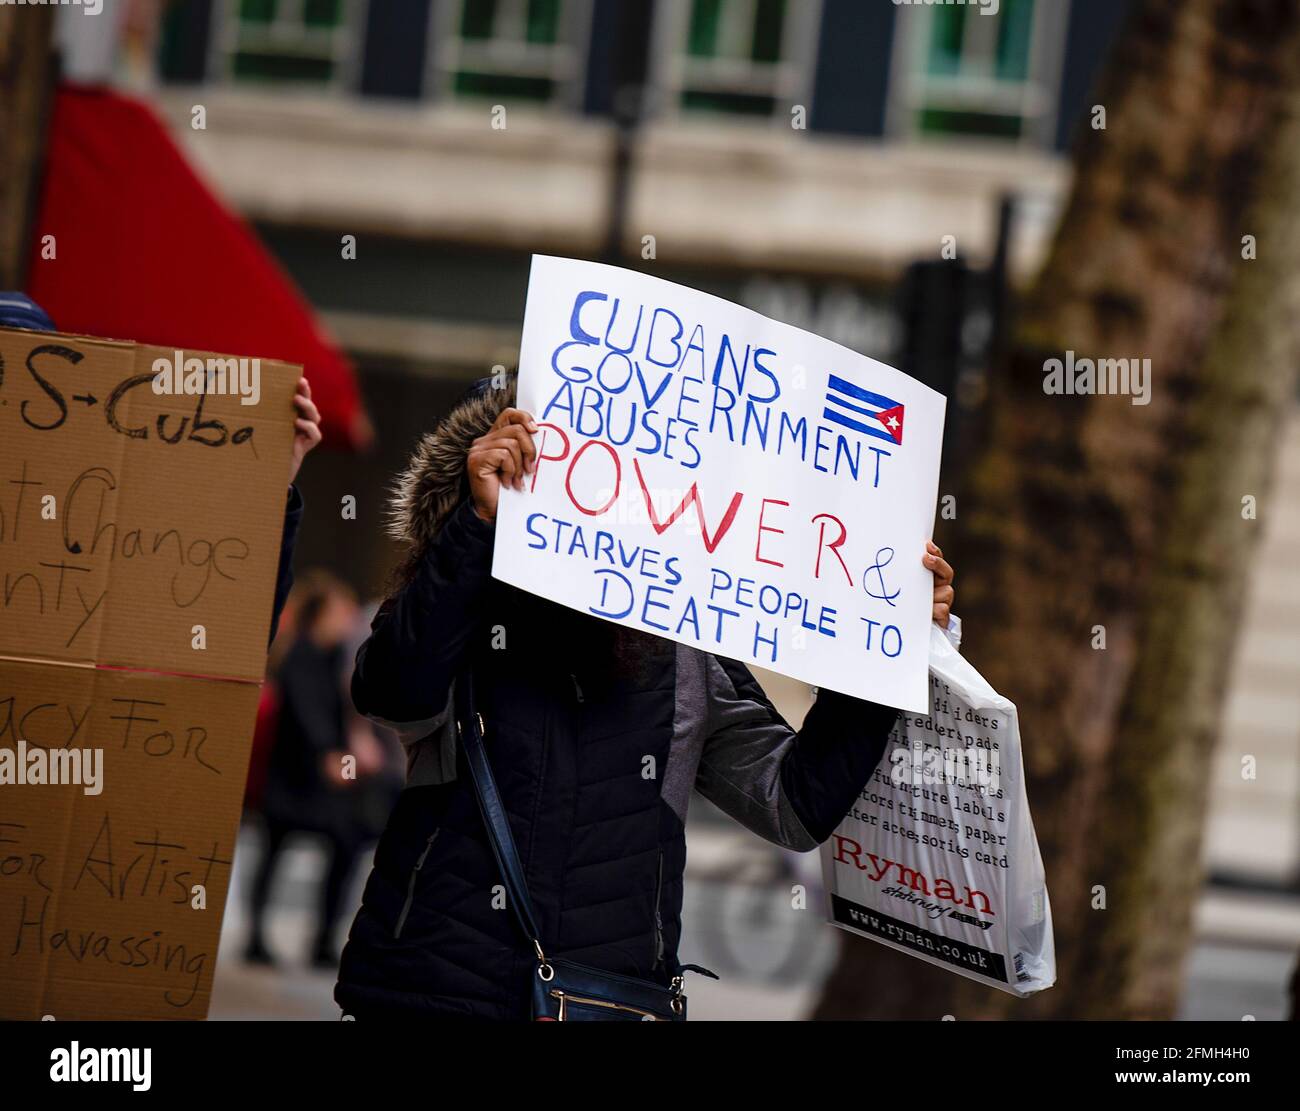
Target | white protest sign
(726,481)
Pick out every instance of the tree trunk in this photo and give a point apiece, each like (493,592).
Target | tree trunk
(1087,511)
(25,71)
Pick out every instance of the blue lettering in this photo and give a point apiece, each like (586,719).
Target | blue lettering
(609,342)
(650,340)
(605,575)
(528,524)
(689,614)
(649,602)
(575,325)
(600,377)
(776,386)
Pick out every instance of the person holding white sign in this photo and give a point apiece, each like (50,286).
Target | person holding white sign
(597,733)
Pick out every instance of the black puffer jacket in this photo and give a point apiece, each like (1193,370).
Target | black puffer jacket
(596,739)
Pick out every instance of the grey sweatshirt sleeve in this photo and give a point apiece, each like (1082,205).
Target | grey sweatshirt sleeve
(792,788)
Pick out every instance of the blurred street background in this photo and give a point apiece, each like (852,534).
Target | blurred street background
(890,176)
(737,920)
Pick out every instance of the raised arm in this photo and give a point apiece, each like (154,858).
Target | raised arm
(795,788)
(789,787)
(419,638)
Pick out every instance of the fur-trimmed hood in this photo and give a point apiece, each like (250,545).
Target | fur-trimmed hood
(433,483)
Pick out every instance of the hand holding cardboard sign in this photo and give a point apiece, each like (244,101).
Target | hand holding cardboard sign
(306,427)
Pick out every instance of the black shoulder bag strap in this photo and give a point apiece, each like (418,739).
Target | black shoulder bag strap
(469,724)
(563,990)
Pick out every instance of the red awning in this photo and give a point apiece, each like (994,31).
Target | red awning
(145,251)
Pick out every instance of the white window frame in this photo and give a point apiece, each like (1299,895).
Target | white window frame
(567,66)
(228,36)
(1035,100)
(792,76)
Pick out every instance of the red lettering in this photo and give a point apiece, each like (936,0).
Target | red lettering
(842,852)
(833,547)
(692,497)
(762,528)
(881,869)
(618,478)
(541,451)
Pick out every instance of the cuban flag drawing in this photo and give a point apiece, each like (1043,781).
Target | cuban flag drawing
(872,414)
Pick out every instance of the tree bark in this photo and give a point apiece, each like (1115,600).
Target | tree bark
(25,72)
(1090,511)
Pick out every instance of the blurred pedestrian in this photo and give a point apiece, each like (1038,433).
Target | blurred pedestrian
(311,770)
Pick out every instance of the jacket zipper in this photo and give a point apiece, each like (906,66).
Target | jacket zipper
(659,922)
(410,886)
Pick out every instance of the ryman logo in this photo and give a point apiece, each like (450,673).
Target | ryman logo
(848,851)
(214,374)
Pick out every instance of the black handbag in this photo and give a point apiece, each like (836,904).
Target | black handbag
(562,990)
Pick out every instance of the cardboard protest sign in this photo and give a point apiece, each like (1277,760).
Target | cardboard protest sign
(173,500)
(95,897)
(139,540)
(724,480)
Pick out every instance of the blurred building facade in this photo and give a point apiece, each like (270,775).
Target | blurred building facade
(796,157)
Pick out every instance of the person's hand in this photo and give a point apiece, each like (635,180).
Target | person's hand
(306,427)
(504,455)
(943,592)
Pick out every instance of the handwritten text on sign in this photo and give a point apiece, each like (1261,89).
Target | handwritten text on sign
(724,480)
(130,521)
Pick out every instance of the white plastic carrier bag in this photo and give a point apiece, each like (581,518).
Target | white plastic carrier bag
(938,856)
